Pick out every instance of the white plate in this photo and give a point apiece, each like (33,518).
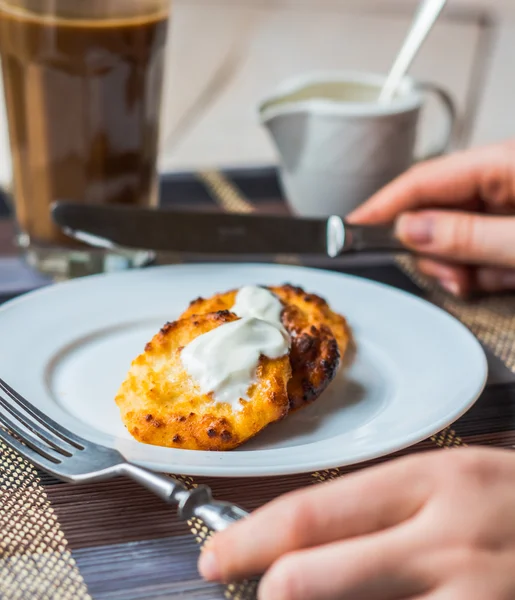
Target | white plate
(68,347)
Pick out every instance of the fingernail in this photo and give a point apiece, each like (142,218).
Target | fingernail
(493,280)
(415,229)
(451,286)
(208,566)
(508,279)
(490,280)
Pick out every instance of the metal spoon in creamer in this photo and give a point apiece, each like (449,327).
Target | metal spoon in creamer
(425,18)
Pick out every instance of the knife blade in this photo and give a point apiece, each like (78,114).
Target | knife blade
(165,230)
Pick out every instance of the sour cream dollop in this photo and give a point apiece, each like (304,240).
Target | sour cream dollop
(223,361)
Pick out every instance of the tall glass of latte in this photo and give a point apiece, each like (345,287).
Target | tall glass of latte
(83,81)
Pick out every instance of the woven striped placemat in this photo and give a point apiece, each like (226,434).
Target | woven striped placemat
(35,561)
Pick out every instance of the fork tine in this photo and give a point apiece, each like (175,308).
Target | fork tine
(47,422)
(28,439)
(27,453)
(46,436)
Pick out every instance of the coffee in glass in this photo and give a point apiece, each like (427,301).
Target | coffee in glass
(83,83)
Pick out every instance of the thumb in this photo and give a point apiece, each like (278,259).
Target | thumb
(460,236)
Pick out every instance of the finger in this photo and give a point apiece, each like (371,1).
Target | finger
(473,589)
(440,594)
(460,180)
(460,237)
(356,504)
(455,279)
(490,279)
(460,280)
(376,567)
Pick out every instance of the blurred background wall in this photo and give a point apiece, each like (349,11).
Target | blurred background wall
(226,54)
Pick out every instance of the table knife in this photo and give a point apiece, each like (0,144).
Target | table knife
(164,230)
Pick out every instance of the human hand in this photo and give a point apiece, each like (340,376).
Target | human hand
(474,243)
(434,526)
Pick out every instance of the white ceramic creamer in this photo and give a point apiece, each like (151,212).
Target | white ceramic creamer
(337,144)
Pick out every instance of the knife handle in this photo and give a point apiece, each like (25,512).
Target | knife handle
(371,238)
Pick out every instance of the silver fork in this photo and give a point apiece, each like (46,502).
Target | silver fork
(58,451)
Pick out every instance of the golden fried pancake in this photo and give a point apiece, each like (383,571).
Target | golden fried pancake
(319,338)
(160,404)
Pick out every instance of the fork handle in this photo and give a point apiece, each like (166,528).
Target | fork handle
(216,515)
(197,502)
